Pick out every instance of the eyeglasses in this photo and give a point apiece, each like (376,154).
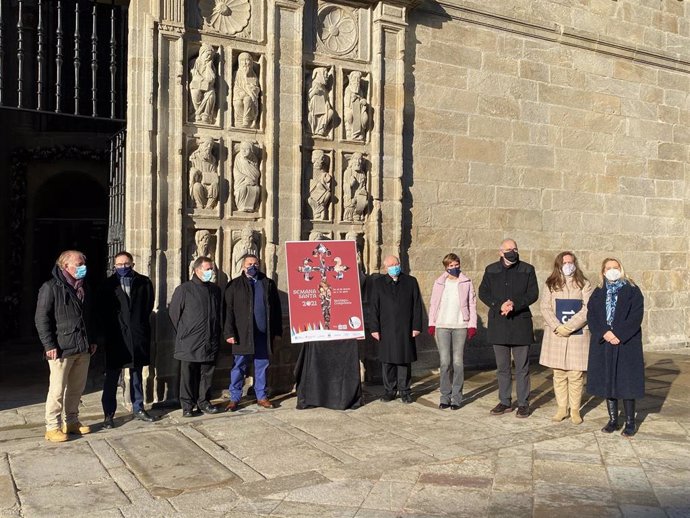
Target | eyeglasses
(122,265)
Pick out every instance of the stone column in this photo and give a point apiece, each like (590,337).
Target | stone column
(284,125)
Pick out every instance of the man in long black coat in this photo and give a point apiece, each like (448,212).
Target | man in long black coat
(509,287)
(195,312)
(396,320)
(253,319)
(125,305)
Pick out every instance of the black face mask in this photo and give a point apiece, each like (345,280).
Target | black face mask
(511,256)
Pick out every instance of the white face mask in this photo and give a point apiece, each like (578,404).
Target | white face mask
(613,274)
(568,269)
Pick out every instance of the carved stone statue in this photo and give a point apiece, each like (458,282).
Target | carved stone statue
(246,244)
(319,108)
(246,93)
(355,193)
(202,86)
(358,238)
(202,239)
(320,186)
(246,177)
(356,109)
(203,176)
(317,235)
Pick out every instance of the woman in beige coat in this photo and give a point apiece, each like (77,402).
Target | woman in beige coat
(565,346)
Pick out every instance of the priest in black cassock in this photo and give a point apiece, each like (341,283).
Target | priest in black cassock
(396,320)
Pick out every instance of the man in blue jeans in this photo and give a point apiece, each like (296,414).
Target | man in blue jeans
(253,319)
(125,304)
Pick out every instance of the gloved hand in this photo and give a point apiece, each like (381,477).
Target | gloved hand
(431,330)
(563,331)
(471,332)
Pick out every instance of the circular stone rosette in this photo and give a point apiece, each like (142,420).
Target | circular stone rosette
(337,30)
(230,16)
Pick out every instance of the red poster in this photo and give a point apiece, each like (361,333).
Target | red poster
(323,291)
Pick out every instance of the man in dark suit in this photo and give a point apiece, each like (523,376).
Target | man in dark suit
(508,287)
(396,320)
(125,306)
(253,319)
(195,312)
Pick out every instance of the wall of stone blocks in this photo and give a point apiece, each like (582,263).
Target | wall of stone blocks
(564,125)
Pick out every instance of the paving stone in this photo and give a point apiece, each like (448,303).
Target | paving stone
(388,496)
(205,500)
(433,500)
(294,509)
(345,493)
(72,498)
(149,456)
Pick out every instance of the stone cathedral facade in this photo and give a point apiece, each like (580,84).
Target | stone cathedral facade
(415,129)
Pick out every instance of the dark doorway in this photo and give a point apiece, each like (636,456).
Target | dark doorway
(71,213)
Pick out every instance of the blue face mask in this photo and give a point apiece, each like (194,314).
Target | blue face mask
(80,272)
(394,271)
(207,275)
(252,270)
(454,271)
(123,271)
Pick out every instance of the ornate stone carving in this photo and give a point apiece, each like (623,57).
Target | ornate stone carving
(320,186)
(203,176)
(358,238)
(319,107)
(202,86)
(317,235)
(337,32)
(246,93)
(229,16)
(203,240)
(246,244)
(246,177)
(356,108)
(355,193)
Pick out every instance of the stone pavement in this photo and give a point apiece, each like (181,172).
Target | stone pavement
(380,461)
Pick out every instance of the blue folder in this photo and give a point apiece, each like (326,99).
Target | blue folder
(566,308)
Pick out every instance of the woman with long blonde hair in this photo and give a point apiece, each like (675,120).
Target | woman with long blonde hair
(616,363)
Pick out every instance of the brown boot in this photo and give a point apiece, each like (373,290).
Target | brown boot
(76,428)
(575,385)
(56,436)
(560,389)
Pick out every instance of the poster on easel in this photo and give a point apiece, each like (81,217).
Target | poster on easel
(324,293)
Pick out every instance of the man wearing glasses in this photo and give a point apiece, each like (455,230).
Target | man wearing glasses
(508,287)
(125,306)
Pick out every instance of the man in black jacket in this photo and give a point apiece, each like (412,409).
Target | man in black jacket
(125,304)
(253,319)
(195,314)
(396,321)
(65,328)
(509,287)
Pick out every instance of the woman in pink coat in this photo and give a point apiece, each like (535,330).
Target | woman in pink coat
(452,320)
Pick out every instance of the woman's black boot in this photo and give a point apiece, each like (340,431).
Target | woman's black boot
(612,407)
(629,406)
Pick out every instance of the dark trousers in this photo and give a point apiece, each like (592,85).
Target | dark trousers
(503,366)
(397,377)
(136,391)
(195,383)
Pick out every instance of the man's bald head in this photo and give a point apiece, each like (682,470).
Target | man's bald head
(390,260)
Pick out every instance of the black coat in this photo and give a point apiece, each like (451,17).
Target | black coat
(239,313)
(125,321)
(519,284)
(616,371)
(395,311)
(195,314)
(63,321)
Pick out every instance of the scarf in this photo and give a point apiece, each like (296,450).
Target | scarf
(76,284)
(612,289)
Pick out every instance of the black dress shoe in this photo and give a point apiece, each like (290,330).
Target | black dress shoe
(388,397)
(143,415)
(444,406)
(208,408)
(406,398)
(454,407)
(108,422)
(188,413)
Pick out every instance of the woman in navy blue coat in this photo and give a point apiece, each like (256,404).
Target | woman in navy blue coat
(616,364)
